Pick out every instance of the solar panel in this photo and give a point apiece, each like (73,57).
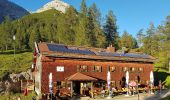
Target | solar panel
(58,48)
(62,48)
(135,55)
(124,55)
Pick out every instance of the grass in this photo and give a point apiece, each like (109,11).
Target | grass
(12,96)
(167,82)
(10,64)
(163,75)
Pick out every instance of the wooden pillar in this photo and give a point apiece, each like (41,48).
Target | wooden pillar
(91,89)
(71,88)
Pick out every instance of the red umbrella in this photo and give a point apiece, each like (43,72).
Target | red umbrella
(132,83)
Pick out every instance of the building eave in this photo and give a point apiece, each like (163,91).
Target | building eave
(97,57)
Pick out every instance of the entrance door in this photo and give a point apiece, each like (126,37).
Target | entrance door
(76,87)
(123,83)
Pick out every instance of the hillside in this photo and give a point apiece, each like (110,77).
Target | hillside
(68,28)
(11,10)
(9,64)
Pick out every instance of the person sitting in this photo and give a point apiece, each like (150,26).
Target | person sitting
(114,91)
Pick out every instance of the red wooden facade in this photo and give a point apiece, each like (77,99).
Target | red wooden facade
(96,68)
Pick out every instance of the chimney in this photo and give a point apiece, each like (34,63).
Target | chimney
(110,49)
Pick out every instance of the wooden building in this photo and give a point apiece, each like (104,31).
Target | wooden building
(76,68)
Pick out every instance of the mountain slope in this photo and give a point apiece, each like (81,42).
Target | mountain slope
(11,10)
(8,64)
(55,4)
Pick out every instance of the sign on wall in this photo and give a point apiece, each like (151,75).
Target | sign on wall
(60,68)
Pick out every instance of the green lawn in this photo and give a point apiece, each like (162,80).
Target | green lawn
(12,96)
(10,64)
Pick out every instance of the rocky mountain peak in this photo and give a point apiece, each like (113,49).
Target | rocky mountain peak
(54,4)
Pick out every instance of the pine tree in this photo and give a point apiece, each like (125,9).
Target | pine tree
(83,8)
(81,35)
(96,13)
(110,29)
(34,37)
(6,37)
(128,41)
(148,41)
(69,24)
(140,37)
(94,31)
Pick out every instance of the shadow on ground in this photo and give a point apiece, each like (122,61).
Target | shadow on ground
(159,75)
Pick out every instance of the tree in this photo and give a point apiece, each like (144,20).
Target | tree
(110,29)
(6,34)
(34,37)
(140,37)
(94,32)
(81,35)
(70,22)
(96,13)
(135,43)
(83,8)
(167,35)
(127,40)
(148,44)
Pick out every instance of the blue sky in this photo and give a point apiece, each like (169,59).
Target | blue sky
(132,15)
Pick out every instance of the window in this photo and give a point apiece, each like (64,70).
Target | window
(60,68)
(141,69)
(124,69)
(111,69)
(97,68)
(83,68)
(59,84)
(132,69)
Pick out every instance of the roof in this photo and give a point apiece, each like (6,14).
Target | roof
(59,50)
(80,77)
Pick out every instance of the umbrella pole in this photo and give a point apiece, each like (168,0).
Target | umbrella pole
(127,93)
(152,89)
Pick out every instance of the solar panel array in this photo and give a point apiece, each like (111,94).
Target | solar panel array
(132,55)
(64,49)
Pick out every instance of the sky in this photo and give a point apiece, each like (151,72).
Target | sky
(132,15)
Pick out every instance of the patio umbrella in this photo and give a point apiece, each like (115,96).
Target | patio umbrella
(50,83)
(127,82)
(108,83)
(151,77)
(152,81)
(108,80)
(132,83)
(127,77)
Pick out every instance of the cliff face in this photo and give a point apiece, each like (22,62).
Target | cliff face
(11,10)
